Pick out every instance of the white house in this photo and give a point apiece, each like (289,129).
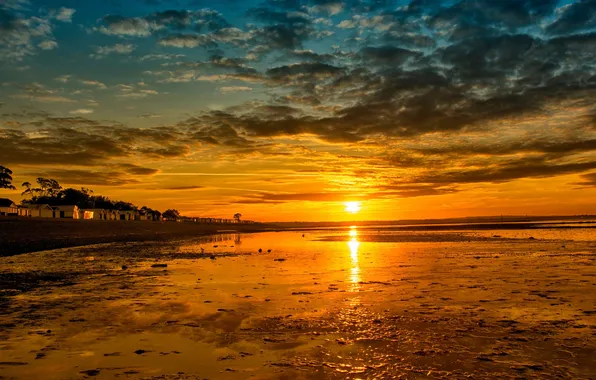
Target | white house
(69,212)
(95,213)
(8,207)
(113,215)
(127,215)
(23,211)
(41,211)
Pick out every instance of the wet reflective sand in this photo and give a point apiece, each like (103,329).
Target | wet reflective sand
(355,303)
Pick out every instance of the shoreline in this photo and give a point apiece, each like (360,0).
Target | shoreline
(20,235)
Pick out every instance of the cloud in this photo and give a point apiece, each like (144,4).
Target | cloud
(63,78)
(173,21)
(131,92)
(187,40)
(139,170)
(104,51)
(20,34)
(575,17)
(44,98)
(94,83)
(330,8)
(127,27)
(184,188)
(588,180)
(105,177)
(152,57)
(48,45)
(231,89)
(65,14)
(81,111)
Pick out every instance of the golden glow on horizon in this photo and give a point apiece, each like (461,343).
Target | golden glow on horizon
(353,207)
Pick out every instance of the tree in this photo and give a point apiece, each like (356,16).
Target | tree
(48,187)
(80,198)
(153,214)
(103,202)
(237,216)
(124,206)
(6,178)
(171,214)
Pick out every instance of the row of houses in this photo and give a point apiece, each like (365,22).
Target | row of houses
(8,207)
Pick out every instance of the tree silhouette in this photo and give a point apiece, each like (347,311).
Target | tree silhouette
(237,216)
(6,178)
(171,214)
(28,190)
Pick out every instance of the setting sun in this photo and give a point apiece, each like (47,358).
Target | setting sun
(352,207)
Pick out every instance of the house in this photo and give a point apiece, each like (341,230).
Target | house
(23,211)
(8,207)
(127,214)
(40,211)
(95,213)
(69,212)
(113,215)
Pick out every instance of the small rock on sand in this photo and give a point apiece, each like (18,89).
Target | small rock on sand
(159,266)
(91,372)
(281,259)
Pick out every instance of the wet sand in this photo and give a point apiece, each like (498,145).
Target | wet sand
(21,235)
(331,305)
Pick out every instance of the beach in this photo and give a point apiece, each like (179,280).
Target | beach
(21,235)
(357,303)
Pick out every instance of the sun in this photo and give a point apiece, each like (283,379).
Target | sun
(352,207)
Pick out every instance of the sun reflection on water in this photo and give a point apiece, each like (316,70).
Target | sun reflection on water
(353,245)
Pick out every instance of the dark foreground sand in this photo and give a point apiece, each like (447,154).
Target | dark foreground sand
(22,235)
(326,306)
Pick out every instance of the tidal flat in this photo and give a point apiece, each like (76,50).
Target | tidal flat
(355,303)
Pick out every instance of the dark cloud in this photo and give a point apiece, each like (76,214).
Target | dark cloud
(384,191)
(57,146)
(89,178)
(388,55)
(308,71)
(139,170)
(174,27)
(513,147)
(507,172)
(68,141)
(578,16)
(588,180)
(309,55)
(183,188)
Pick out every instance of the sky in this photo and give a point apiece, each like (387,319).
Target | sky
(284,110)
